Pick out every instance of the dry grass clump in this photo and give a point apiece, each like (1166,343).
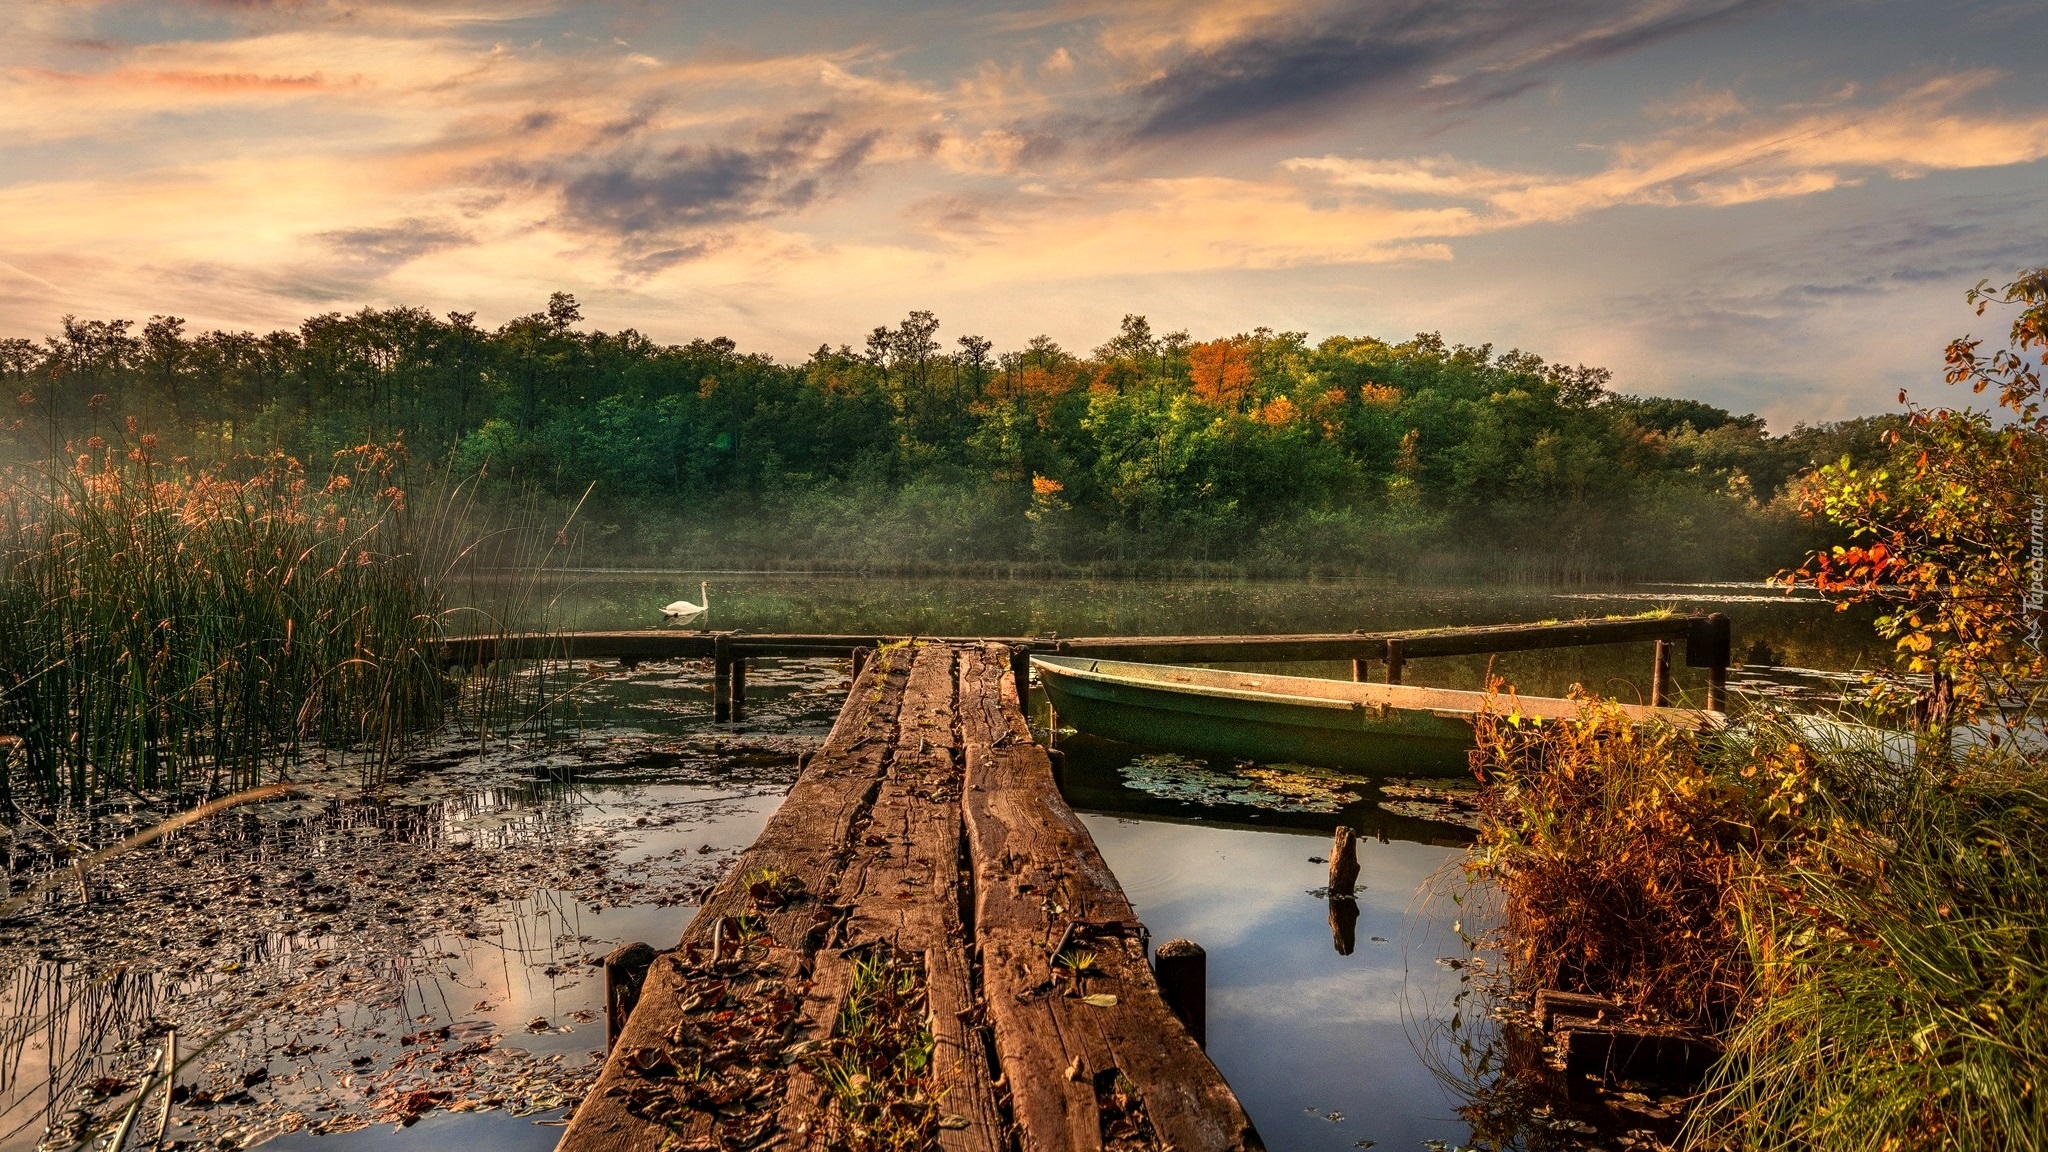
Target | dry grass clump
(1616,847)
(165,627)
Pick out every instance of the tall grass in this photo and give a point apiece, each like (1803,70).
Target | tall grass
(1901,970)
(1866,931)
(165,627)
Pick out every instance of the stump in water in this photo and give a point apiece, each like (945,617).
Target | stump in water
(625,970)
(1343,863)
(1182,969)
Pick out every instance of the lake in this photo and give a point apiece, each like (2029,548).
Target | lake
(347,958)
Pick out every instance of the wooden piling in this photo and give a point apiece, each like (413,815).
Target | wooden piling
(1020,675)
(625,970)
(1361,669)
(1660,675)
(1708,644)
(721,677)
(739,684)
(1182,969)
(1397,655)
(1343,924)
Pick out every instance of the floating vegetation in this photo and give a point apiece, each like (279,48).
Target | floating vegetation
(1444,801)
(1274,787)
(333,960)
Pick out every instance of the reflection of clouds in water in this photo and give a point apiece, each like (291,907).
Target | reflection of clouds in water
(1292,1024)
(1371,996)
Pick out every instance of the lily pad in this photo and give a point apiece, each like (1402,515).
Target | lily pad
(1274,787)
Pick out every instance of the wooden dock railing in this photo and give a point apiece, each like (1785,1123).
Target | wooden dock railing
(1706,638)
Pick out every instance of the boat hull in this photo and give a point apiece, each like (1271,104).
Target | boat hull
(1406,743)
(1368,728)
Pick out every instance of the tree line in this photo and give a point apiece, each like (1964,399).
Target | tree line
(1259,450)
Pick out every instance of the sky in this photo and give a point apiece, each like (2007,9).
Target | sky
(1772,206)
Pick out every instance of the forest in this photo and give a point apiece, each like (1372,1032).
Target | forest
(1259,452)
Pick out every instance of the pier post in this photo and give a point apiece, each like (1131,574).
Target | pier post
(1182,969)
(625,970)
(1020,672)
(1395,658)
(721,677)
(1360,669)
(860,661)
(1343,924)
(1708,645)
(739,683)
(1660,675)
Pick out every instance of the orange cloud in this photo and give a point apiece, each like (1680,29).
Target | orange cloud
(229,81)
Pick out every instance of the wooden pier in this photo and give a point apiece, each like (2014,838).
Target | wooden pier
(925,850)
(925,841)
(1705,637)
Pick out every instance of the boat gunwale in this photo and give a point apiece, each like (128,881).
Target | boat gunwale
(1463,705)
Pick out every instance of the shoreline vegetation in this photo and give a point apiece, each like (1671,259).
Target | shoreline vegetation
(1858,919)
(171,632)
(1155,452)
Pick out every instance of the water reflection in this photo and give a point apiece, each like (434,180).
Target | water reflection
(422,960)
(1312,1039)
(1341,1022)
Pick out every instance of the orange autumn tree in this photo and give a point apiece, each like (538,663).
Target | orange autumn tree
(1221,373)
(1946,534)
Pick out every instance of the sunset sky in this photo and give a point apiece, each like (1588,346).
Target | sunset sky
(1772,206)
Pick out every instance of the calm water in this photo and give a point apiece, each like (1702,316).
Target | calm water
(516,871)
(1781,639)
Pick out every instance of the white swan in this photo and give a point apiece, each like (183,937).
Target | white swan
(683,609)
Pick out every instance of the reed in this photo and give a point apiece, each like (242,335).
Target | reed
(168,628)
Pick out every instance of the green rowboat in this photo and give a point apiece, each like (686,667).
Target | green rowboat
(1259,716)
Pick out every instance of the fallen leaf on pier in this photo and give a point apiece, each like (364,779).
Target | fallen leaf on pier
(1101,1000)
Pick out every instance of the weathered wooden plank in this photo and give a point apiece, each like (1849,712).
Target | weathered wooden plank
(1090,1051)
(900,885)
(650,644)
(780,888)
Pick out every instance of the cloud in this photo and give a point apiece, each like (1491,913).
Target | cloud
(1423,52)
(1762,158)
(379,250)
(665,201)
